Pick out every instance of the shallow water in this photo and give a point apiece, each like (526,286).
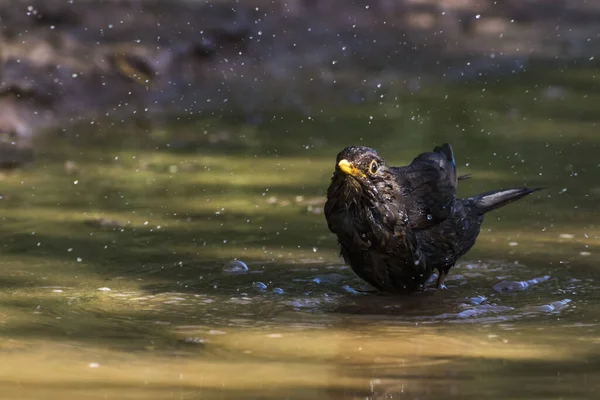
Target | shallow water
(117,246)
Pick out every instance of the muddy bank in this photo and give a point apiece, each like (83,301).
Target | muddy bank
(66,61)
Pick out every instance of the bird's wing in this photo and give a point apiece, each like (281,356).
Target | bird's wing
(428,187)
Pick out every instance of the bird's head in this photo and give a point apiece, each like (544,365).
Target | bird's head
(360,169)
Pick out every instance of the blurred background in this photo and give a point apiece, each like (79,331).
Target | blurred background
(163,174)
(69,61)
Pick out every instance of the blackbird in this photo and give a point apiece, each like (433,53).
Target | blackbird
(396,225)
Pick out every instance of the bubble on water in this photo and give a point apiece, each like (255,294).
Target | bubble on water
(278,290)
(259,286)
(94,365)
(236,267)
(104,289)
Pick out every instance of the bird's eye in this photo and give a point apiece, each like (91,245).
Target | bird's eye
(373,167)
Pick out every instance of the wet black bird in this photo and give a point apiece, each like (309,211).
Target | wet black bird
(396,225)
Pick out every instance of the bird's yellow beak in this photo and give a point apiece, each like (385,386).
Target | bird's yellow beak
(349,169)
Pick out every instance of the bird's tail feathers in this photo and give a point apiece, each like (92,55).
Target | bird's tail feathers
(489,201)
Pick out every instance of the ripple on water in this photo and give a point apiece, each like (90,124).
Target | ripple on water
(312,302)
(325,279)
(477,313)
(516,286)
(477,299)
(261,287)
(555,306)
(352,290)
(326,291)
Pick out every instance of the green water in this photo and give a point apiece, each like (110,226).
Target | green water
(114,242)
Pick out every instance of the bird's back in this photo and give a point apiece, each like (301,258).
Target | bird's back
(428,187)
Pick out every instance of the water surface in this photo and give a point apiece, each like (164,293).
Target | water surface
(117,246)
